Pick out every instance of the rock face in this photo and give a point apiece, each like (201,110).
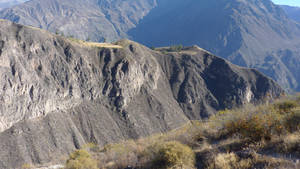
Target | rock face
(57,94)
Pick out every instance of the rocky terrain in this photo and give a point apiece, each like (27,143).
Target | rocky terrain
(254,33)
(59,93)
(292,11)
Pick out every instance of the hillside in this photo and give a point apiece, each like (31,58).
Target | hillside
(60,93)
(254,136)
(253,33)
(83,19)
(292,12)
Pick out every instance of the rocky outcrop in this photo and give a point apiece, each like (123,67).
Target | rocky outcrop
(202,82)
(58,94)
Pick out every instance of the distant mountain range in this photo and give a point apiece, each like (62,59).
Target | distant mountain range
(9,3)
(292,11)
(85,19)
(253,33)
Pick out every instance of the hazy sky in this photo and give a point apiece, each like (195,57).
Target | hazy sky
(288,2)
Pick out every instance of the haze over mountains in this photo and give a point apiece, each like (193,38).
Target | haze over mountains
(84,19)
(9,3)
(292,12)
(252,33)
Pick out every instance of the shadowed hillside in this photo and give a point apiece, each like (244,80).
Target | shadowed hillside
(253,33)
(292,12)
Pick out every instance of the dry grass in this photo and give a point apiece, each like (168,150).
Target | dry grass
(248,137)
(93,44)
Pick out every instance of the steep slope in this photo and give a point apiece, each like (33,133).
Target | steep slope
(84,19)
(58,94)
(252,33)
(292,12)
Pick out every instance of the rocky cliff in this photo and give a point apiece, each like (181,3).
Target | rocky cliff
(57,94)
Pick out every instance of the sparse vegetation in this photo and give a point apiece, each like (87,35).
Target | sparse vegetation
(27,166)
(81,159)
(173,155)
(176,48)
(241,138)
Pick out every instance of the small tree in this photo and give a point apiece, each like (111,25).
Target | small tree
(173,155)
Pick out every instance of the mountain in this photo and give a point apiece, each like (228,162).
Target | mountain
(292,11)
(58,93)
(85,19)
(253,33)
(9,3)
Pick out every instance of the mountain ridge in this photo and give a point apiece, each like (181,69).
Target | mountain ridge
(255,33)
(59,93)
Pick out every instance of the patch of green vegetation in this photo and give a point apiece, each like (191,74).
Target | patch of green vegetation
(27,166)
(176,48)
(81,159)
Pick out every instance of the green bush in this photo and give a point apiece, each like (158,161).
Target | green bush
(81,159)
(173,155)
(176,48)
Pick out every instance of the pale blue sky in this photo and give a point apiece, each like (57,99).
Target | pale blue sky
(288,2)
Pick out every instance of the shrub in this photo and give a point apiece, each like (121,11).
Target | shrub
(256,124)
(176,48)
(292,121)
(27,166)
(173,155)
(224,161)
(286,106)
(229,161)
(81,159)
